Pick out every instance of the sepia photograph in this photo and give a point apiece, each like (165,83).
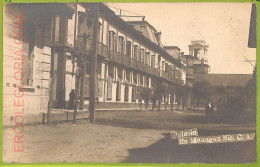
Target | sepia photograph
(129,82)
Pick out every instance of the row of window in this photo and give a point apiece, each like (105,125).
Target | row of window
(109,90)
(117,42)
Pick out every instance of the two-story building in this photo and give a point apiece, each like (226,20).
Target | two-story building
(130,58)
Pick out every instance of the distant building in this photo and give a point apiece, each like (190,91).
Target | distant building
(225,86)
(198,49)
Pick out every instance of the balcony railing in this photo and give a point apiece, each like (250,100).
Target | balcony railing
(165,75)
(133,63)
(140,66)
(127,61)
(115,57)
(158,73)
(146,68)
(153,71)
(130,62)
(102,50)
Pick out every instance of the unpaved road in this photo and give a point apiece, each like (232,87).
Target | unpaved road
(139,137)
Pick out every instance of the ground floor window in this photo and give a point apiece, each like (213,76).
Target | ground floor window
(118,91)
(86,87)
(134,93)
(126,92)
(109,88)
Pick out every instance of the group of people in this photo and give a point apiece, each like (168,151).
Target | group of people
(209,109)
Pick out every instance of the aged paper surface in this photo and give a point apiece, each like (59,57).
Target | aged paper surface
(129,82)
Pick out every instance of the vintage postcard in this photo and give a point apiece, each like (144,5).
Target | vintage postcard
(129,82)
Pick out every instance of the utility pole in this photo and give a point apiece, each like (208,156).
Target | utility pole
(93,60)
(52,72)
(76,76)
(83,72)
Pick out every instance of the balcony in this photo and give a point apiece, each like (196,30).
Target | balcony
(116,57)
(165,75)
(140,66)
(133,63)
(146,68)
(102,50)
(153,71)
(130,62)
(158,72)
(127,61)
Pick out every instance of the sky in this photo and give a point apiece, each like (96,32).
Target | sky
(224,27)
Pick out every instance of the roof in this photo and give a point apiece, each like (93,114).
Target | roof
(172,47)
(200,64)
(229,80)
(189,57)
(198,43)
(142,22)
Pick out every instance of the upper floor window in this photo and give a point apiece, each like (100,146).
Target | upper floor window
(128,48)
(148,58)
(142,55)
(166,67)
(111,40)
(196,53)
(153,61)
(136,56)
(121,44)
(163,66)
(142,28)
(159,62)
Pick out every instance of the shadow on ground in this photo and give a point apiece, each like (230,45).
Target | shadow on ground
(167,150)
(166,120)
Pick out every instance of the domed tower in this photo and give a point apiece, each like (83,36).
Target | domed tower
(198,50)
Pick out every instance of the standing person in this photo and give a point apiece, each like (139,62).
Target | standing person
(209,108)
(183,105)
(220,110)
(140,104)
(71,99)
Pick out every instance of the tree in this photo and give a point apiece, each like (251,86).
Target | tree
(78,57)
(146,95)
(181,95)
(154,98)
(201,90)
(172,92)
(160,91)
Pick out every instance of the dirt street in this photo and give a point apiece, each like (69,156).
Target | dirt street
(128,137)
